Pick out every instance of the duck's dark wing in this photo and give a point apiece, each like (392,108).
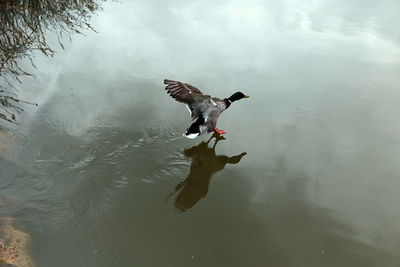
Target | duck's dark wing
(181,91)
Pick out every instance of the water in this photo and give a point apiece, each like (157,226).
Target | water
(308,175)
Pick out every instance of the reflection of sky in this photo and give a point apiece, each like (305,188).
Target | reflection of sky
(211,27)
(222,43)
(239,33)
(149,39)
(322,76)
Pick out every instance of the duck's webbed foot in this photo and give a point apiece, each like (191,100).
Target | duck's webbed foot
(219,131)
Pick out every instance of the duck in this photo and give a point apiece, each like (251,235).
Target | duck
(204,109)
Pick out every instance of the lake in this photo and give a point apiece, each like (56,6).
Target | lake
(308,173)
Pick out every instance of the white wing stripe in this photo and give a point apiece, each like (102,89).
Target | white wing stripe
(190,112)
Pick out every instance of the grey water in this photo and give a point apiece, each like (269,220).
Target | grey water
(308,173)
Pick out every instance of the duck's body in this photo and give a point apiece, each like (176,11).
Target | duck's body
(204,109)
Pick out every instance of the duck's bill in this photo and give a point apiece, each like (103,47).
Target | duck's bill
(246,96)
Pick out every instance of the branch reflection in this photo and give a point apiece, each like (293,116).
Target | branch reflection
(205,162)
(23,29)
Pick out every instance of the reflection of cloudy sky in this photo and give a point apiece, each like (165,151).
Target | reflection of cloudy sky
(154,39)
(223,45)
(322,76)
(239,33)
(243,32)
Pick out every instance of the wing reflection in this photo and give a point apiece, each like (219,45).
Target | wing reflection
(204,164)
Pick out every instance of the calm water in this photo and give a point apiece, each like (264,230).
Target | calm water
(309,172)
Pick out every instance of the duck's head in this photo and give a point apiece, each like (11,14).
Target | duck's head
(237,96)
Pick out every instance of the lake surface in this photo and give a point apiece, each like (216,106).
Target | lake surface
(99,173)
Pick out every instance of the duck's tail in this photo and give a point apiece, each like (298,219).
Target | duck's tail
(191,136)
(195,128)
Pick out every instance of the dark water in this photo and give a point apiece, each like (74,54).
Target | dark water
(309,172)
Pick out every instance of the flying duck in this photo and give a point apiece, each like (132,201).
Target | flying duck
(204,109)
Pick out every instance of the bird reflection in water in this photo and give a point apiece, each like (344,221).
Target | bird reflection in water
(204,164)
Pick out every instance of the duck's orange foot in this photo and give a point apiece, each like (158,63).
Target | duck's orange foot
(219,131)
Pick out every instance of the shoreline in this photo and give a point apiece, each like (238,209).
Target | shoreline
(14,244)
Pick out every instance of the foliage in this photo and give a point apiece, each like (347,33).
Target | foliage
(23,28)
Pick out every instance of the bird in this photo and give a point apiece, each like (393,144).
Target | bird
(204,109)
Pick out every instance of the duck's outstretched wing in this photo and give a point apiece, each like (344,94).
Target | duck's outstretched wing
(181,91)
(204,110)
